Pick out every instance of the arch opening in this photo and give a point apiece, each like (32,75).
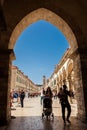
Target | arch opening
(44,14)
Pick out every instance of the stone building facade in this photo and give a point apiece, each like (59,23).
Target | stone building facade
(20,81)
(63,74)
(16,15)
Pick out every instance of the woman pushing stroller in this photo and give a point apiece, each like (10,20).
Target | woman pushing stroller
(49,92)
(47,103)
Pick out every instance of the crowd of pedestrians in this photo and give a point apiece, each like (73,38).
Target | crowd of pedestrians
(17,96)
(63,95)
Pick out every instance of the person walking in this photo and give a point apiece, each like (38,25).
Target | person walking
(42,95)
(63,96)
(22,96)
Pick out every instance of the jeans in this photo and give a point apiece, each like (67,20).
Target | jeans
(66,105)
(41,101)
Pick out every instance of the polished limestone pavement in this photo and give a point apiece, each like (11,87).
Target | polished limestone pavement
(30,117)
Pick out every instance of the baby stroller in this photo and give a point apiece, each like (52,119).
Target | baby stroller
(47,107)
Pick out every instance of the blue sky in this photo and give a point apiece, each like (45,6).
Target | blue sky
(38,49)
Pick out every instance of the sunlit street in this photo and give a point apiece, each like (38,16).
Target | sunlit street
(30,116)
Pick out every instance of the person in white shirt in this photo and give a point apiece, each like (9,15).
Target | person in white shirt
(42,95)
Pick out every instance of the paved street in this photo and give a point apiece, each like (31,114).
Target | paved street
(30,117)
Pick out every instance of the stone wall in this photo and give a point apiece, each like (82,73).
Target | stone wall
(13,11)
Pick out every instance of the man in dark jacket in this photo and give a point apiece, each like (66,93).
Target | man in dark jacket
(63,95)
(22,96)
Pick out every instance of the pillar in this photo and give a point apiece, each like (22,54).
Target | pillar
(5,73)
(83,59)
(79,86)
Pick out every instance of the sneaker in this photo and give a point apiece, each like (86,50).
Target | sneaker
(68,121)
(64,122)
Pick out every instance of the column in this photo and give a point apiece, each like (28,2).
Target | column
(79,86)
(5,73)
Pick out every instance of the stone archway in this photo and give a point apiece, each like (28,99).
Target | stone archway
(64,75)
(45,14)
(70,72)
